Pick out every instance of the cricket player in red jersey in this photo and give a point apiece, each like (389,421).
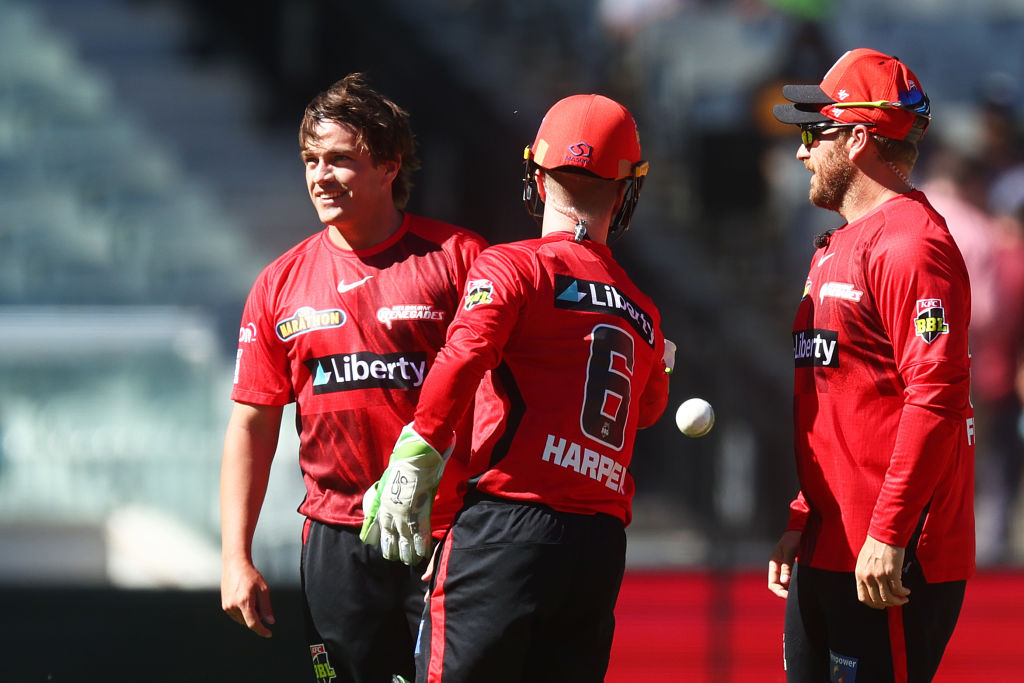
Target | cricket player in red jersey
(346,324)
(566,358)
(880,540)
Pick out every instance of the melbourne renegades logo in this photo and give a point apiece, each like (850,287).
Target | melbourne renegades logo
(930,320)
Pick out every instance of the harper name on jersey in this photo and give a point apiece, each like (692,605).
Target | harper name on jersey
(585,462)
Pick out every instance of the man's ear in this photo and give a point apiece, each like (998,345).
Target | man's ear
(391,168)
(857,141)
(541,190)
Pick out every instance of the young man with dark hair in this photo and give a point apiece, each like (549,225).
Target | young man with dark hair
(346,324)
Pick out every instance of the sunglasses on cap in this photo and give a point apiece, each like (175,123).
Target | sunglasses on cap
(922,108)
(809,132)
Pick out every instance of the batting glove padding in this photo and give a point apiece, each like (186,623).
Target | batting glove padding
(396,509)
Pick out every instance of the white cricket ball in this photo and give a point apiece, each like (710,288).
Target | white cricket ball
(695,417)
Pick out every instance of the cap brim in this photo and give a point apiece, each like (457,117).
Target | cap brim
(806,94)
(807,103)
(799,113)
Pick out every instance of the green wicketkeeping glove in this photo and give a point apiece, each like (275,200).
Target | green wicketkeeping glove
(396,509)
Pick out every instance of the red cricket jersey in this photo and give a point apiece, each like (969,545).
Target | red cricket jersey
(565,356)
(349,336)
(884,429)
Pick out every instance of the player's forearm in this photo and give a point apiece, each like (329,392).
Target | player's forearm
(249,445)
(446,396)
(925,445)
(451,384)
(655,398)
(936,402)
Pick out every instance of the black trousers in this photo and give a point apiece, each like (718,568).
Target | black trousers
(522,593)
(362,611)
(831,636)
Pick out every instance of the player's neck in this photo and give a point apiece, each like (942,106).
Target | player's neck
(366,231)
(864,198)
(878,182)
(565,219)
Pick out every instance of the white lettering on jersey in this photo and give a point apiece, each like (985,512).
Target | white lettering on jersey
(585,462)
(247,333)
(839,290)
(387,314)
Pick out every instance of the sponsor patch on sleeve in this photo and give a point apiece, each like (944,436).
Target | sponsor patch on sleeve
(478,292)
(930,319)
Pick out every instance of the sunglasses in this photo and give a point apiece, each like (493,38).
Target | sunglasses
(922,108)
(809,132)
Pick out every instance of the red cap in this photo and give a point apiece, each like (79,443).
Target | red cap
(590,132)
(864,86)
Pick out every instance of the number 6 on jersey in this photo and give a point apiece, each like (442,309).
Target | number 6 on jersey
(606,394)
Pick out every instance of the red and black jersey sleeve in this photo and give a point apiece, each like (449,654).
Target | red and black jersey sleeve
(924,300)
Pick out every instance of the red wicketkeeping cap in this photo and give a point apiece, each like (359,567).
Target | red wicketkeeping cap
(590,132)
(864,86)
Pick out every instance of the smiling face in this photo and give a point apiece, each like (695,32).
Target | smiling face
(346,187)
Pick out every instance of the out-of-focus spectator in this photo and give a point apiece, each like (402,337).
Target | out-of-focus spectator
(956,185)
(982,198)
(998,380)
(1001,140)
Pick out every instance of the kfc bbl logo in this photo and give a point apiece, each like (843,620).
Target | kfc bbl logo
(322,668)
(478,292)
(930,320)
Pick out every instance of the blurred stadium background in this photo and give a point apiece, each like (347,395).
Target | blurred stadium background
(149,170)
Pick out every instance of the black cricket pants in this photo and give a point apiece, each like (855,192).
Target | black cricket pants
(522,593)
(831,636)
(362,611)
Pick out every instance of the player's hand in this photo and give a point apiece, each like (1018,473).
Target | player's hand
(245,598)
(396,509)
(879,575)
(780,564)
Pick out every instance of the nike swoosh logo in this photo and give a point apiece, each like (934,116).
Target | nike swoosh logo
(821,261)
(342,287)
